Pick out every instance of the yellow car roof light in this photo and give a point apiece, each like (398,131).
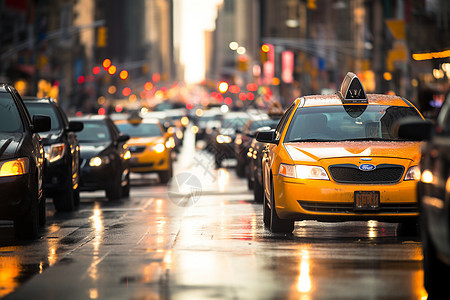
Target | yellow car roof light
(352,91)
(134,118)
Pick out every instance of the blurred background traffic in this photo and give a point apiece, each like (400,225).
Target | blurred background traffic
(112,56)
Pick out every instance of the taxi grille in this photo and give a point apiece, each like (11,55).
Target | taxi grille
(384,173)
(328,207)
(137,149)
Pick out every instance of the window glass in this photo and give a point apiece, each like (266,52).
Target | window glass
(94,132)
(140,130)
(348,122)
(46,110)
(10,120)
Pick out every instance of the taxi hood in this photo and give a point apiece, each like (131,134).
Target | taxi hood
(144,140)
(316,151)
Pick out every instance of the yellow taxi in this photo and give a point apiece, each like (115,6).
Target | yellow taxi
(150,146)
(336,158)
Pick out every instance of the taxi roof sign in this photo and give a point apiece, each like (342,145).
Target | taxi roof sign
(352,90)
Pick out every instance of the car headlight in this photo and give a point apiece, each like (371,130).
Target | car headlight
(303,172)
(158,148)
(223,139)
(55,152)
(127,155)
(14,167)
(413,173)
(98,161)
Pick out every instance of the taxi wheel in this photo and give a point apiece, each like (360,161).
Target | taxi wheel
(278,225)
(126,188)
(42,210)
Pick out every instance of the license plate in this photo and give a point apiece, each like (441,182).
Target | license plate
(367,200)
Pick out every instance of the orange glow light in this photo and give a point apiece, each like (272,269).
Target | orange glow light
(106,64)
(156,77)
(265,48)
(148,86)
(223,87)
(235,89)
(126,91)
(123,74)
(112,70)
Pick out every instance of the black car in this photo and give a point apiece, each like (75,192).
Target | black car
(254,157)
(62,151)
(104,157)
(222,145)
(433,191)
(21,164)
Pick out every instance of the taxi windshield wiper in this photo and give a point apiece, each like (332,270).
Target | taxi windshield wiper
(370,139)
(309,140)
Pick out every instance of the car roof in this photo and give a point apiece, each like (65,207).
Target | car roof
(332,100)
(90,118)
(38,99)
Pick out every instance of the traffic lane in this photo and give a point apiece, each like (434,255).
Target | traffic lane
(224,249)
(66,233)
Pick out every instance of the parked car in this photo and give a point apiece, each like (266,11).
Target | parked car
(22,164)
(336,158)
(433,193)
(104,157)
(62,152)
(150,146)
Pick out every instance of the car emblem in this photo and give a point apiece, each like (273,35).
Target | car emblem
(367,167)
(366,158)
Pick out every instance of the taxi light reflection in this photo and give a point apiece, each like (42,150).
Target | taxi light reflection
(427,177)
(185,121)
(303,172)
(159,148)
(14,167)
(413,173)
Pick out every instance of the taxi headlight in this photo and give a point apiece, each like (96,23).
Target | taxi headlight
(98,161)
(14,167)
(159,148)
(127,155)
(303,172)
(413,173)
(54,152)
(223,139)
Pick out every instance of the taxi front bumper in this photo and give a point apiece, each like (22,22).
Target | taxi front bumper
(326,200)
(149,162)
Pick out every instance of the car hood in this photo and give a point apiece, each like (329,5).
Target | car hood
(316,151)
(134,141)
(9,142)
(91,149)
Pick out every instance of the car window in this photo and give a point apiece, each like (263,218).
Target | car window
(349,122)
(282,123)
(46,110)
(10,120)
(94,132)
(140,130)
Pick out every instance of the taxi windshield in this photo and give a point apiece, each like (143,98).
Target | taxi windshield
(140,130)
(346,123)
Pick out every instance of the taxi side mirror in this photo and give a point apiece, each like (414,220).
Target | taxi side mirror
(414,129)
(122,138)
(266,137)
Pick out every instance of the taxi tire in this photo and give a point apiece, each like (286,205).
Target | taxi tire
(266,211)
(164,176)
(126,188)
(27,226)
(258,192)
(434,269)
(240,169)
(278,225)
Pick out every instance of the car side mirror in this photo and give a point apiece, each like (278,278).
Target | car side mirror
(122,138)
(266,137)
(41,123)
(75,126)
(413,129)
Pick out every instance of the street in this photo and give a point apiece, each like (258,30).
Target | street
(202,237)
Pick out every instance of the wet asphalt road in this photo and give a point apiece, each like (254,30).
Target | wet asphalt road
(202,237)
